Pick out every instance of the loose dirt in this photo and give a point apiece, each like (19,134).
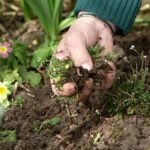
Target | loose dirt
(80,128)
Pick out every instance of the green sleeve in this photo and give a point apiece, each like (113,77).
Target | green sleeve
(122,13)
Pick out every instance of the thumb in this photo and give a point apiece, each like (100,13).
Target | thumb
(76,46)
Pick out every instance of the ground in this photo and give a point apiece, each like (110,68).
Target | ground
(77,126)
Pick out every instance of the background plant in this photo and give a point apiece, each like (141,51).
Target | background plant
(49,15)
(128,94)
(17,67)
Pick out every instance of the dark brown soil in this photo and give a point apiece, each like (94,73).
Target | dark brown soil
(79,125)
(77,130)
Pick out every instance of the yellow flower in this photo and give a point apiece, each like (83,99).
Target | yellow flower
(3,91)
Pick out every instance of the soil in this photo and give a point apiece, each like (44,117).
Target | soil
(80,127)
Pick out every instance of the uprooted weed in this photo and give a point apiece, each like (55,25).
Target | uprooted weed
(129,94)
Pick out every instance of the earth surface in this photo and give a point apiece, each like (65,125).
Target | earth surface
(79,128)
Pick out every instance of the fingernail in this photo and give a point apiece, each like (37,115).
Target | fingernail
(87,66)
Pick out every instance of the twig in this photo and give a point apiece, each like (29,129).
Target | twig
(2,28)
(28,92)
(26,89)
(31,95)
(12,13)
(15,88)
(67,109)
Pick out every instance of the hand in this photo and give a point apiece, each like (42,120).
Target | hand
(84,33)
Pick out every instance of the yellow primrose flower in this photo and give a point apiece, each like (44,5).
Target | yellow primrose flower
(3,91)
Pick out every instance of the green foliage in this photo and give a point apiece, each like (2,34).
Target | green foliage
(128,94)
(18,56)
(42,54)
(143,17)
(11,67)
(28,14)
(15,67)
(33,78)
(2,112)
(8,136)
(49,15)
(57,69)
(54,121)
(18,101)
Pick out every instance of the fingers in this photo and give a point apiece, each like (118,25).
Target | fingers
(76,45)
(67,89)
(72,47)
(106,40)
(109,76)
(86,91)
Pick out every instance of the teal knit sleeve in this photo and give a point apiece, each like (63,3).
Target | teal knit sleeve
(122,13)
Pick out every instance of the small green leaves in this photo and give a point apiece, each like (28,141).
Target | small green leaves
(43,53)
(57,69)
(33,78)
(8,136)
(19,101)
(54,121)
(20,52)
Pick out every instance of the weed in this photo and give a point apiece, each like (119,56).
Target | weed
(18,101)
(8,136)
(54,121)
(128,94)
(57,71)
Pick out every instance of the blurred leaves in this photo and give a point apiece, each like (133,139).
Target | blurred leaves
(8,136)
(144,15)
(34,78)
(49,15)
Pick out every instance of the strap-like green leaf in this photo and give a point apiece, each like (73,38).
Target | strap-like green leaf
(66,23)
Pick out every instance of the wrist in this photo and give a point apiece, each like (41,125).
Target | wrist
(112,26)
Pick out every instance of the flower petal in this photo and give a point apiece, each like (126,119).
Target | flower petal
(4,55)
(7,44)
(9,50)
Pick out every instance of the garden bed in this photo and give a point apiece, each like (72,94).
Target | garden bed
(45,122)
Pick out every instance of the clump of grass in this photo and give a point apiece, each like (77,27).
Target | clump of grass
(128,94)
(57,69)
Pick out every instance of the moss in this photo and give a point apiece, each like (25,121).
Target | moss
(57,69)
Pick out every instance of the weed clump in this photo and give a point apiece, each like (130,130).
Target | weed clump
(129,94)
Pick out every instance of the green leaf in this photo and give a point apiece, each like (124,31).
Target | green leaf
(66,23)
(2,112)
(19,101)
(11,76)
(20,51)
(42,10)
(49,15)
(42,54)
(54,121)
(27,10)
(8,136)
(33,78)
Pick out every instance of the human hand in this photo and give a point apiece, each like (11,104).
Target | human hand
(86,32)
